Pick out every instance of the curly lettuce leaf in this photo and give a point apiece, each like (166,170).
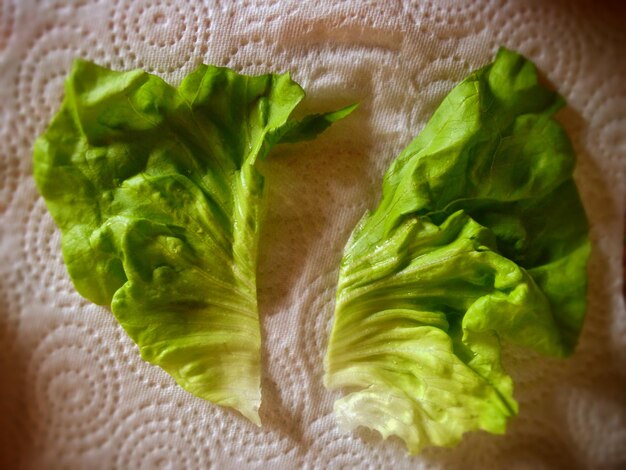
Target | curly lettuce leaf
(157,195)
(480,236)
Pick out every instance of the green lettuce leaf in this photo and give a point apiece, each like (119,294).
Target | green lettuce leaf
(480,236)
(158,197)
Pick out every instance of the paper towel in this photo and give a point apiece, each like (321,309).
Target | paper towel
(75,393)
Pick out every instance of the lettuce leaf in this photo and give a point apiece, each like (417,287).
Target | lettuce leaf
(158,196)
(480,236)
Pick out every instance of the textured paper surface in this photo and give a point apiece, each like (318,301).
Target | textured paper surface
(75,393)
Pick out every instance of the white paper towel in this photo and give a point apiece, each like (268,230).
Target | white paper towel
(75,393)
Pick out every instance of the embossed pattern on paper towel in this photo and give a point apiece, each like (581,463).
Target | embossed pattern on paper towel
(76,394)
